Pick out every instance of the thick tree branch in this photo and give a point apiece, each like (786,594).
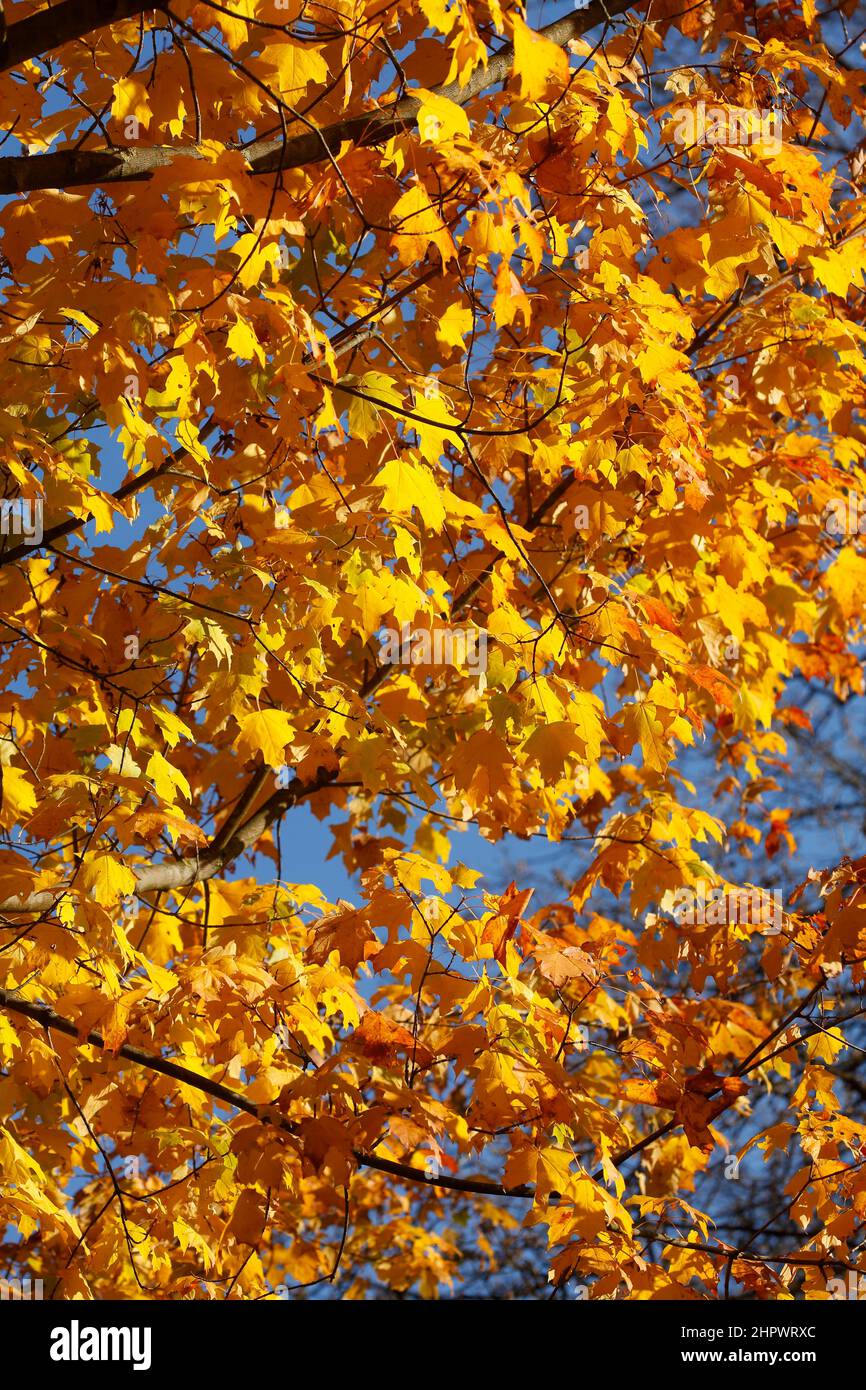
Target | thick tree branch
(180,873)
(76,168)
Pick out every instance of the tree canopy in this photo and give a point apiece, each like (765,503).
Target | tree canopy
(445,418)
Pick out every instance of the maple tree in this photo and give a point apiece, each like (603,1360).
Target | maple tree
(327,323)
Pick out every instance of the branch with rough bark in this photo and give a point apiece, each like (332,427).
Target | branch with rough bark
(82,167)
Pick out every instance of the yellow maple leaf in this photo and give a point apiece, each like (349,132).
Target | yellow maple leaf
(173,728)
(19,797)
(365,410)
(107,879)
(417,225)
(409,485)
(440,119)
(267,731)
(538,62)
(846,580)
(243,342)
(837,270)
(453,326)
(167,779)
(131,98)
(296,65)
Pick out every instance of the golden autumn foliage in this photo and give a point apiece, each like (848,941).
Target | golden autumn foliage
(445,418)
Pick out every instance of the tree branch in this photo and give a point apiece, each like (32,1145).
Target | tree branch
(75,168)
(180,873)
(233,838)
(341,342)
(47,1018)
(26,551)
